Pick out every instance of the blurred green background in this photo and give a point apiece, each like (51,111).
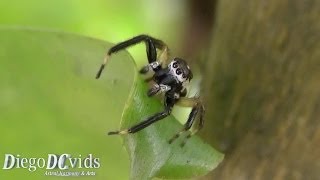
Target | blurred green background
(103,19)
(108,20)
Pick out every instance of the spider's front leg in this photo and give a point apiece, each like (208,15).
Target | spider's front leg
(152,66)
(157,65)
(197,108)
(152,44)
(152,119)
(158,88)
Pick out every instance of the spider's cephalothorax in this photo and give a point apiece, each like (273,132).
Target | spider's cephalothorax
(180,70)
(169,77)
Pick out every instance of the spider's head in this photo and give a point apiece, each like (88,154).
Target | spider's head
(180,70)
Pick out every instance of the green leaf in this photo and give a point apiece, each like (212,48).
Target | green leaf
(50,101)
(48,93)
(150,153)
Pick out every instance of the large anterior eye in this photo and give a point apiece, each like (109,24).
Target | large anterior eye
(178,71)
(175,65)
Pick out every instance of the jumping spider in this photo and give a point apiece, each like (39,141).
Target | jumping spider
(169,78)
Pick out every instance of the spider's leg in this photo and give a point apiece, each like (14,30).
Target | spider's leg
(188,101)
(152,119)
(153,90)
(158,88)
(151,45)
(164,56)
(197,108)
(154,65)
(187,125)
(200,126)
(163,59)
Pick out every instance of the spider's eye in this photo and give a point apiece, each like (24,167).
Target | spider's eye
(178,71)
(184,76)
(175,65)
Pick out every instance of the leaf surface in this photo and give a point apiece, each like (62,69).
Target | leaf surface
(150,153)
(50,99)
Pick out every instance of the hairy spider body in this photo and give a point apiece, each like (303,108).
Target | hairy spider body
(170,78)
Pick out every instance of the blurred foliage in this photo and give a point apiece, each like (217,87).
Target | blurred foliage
(104,19)
(51,103)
